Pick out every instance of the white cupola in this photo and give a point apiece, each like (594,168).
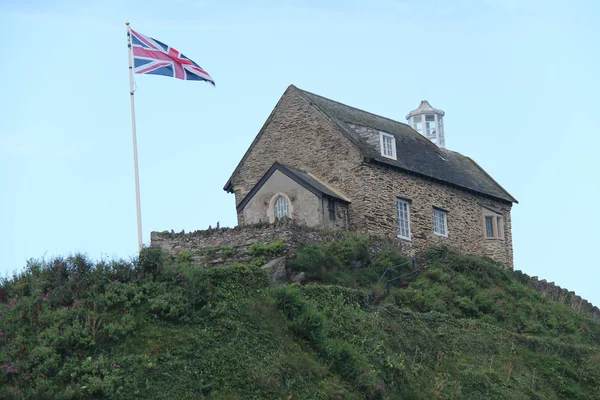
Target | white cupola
(429,122)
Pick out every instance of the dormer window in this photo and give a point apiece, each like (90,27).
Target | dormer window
(388,145)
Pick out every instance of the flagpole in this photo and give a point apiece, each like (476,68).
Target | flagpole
(135,156)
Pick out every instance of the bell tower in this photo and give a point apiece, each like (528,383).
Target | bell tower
(429,122)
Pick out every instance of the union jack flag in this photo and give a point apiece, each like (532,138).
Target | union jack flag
(151,56)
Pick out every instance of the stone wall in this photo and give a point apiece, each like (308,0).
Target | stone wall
(225,246)
(341,215)
(560,295)
(369,135)
(464,214)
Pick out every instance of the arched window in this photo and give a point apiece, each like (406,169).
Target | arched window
(281,208)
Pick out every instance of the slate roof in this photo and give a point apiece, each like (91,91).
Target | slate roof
(415,153)
(303,178)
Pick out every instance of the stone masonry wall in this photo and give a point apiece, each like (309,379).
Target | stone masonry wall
(558,294)
(369,135)
(225,246)
(464,214)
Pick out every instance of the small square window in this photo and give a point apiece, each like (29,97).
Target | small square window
(440,222)
(388,145)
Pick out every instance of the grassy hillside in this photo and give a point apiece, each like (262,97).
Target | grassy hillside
(160,328)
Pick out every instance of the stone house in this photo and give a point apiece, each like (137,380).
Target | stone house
(326,164)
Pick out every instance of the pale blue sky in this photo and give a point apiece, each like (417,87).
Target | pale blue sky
(519,81)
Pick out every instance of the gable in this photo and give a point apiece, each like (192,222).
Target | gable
(279,177)
(299,135)
(294,113)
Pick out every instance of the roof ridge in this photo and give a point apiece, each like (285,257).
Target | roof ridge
(346,105)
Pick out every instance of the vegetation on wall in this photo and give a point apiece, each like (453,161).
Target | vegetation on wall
(160,328)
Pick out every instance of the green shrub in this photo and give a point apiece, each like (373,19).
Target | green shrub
(435,275)
(323,262)
(467,306)
(305,321)
(229,251)
(314,260)
(484,302)
(352,248)
(184,257)
(259,249)
(310,325)
(290,301)
(235,281)
(151,261)
(345,359)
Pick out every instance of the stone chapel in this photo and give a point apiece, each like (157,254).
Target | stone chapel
(326,164)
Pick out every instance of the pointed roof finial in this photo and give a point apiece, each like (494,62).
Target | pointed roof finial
(425,108)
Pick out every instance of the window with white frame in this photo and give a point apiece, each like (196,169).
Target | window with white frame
(493,224)
(403,218)
(388,145)
(281,208)
(440,222)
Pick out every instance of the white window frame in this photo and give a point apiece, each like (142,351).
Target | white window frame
(438,212)
(403,202)
(497,224)
(271,209)
(393,145)
(283,206)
